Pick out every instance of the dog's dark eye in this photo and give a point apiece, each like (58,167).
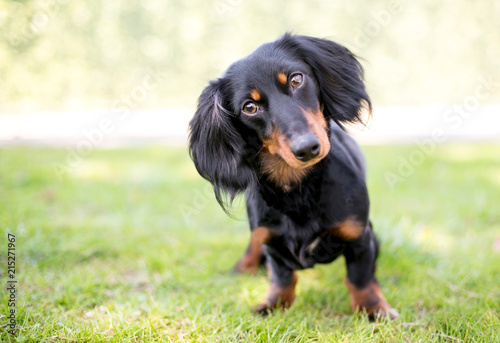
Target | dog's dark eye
(250,108)
(296,80)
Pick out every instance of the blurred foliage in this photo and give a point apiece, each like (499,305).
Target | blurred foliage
(59,54)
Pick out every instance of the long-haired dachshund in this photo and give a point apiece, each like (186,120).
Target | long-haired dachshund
(272,127)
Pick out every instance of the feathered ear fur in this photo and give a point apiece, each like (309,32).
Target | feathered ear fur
(339,76)
(217,146)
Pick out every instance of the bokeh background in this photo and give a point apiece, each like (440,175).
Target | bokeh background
(63,55)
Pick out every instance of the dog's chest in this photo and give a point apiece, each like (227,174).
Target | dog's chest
(301,206)
(302,247)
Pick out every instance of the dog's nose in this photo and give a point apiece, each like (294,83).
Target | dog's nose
(306,148)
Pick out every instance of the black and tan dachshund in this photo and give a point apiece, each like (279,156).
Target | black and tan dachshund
(272,127)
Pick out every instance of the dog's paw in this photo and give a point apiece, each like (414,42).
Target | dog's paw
(244,268)
(389,312)
(264,309)
(370,300)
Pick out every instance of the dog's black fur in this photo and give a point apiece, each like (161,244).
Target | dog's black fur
(272,127)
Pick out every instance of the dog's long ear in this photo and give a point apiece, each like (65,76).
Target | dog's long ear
(339,76)
(216,144)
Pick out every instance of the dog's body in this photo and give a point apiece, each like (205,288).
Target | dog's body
(272,127)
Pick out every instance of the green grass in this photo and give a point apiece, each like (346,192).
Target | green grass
(130,246)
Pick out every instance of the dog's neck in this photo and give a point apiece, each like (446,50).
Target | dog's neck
(279,172)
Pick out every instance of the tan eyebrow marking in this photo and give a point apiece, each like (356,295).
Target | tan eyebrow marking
(255,95)
(282,78)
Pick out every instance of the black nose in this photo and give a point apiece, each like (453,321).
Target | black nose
(306,147)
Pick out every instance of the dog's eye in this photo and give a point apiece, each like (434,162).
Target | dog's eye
(250,107)
(296,80)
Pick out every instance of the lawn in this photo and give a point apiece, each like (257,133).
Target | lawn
(130,246)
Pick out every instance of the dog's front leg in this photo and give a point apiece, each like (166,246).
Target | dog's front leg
(282,290)
(363,287)
(254,256)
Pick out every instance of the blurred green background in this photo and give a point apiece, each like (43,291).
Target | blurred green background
(60,55)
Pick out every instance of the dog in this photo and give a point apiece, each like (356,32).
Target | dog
(272,127)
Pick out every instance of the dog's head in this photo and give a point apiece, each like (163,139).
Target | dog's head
(269,113)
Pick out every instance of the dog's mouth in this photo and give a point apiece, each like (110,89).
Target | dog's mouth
(287,162)
(294,158)
(306,149)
